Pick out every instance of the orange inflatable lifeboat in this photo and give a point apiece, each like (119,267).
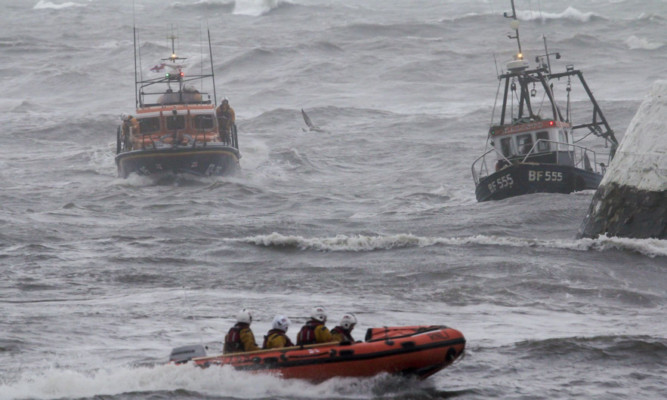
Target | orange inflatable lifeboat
(419,351)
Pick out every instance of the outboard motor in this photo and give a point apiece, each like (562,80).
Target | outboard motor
(183,354)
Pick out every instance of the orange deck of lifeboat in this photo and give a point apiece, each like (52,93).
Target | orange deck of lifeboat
(419,351)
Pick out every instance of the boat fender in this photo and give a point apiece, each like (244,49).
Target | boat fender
(408,345)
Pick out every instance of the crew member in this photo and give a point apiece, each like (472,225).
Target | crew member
(240,338)
(130,129)
(314,331)
(276,338)
(343,332)
(226,119)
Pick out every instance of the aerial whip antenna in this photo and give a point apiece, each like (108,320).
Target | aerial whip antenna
(515,26)
(134,38)
(210,56)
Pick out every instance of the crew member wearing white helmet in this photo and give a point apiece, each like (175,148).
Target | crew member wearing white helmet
(276,338)
(240,338)
(314,331)
(343,332)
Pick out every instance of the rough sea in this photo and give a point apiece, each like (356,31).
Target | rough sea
(101,277)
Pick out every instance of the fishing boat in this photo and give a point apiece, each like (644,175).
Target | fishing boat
(418,351)
(534,146)
(175,129)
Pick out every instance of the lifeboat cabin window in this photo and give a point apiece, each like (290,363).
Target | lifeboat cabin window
(506,146)
(149,125)
(524,143)
(203,122)
(542,141)
(175,122)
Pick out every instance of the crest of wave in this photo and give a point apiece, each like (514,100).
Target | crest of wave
(254,7)
(641,43)
(217,381)
(647,247)
(42,5)
(569,13)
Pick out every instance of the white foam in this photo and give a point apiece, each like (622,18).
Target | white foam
(42,5)
(640,43)
(357,243)
(641,159)
(569,13)
(215,381)
(254,8)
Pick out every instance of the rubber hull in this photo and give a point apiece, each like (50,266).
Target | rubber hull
(416,351)
(211,160)
(527,178)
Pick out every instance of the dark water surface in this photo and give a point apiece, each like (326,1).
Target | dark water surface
(101,276)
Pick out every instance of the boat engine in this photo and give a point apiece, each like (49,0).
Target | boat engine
(183,354)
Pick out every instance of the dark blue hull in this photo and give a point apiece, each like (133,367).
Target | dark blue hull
(211,160)
(527,178)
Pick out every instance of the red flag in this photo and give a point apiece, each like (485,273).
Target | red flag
(158,68)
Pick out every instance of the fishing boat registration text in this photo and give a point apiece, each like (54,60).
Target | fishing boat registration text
(503,182)
(546,176)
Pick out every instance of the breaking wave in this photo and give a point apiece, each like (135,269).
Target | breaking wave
(648,247)
(43,5)
(189,382)
(256,8)
(570,13)
(641,43)
(206,5)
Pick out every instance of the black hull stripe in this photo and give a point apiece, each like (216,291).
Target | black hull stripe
(361,357)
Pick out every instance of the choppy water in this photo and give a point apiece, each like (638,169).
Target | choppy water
(101,277)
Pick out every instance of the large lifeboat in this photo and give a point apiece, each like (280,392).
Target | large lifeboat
(418,351)
(175,129)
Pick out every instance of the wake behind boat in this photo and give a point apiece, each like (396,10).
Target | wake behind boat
(175,129)
(532,148)
(418,351)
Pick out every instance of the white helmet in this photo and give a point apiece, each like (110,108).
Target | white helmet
(281,322)
(318,313)
(244,316)
(348,321)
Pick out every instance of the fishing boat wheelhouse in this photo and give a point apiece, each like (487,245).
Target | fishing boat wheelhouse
(532,147)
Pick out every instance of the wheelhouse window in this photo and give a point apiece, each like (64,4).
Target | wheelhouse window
(562,139)
(524,143)
(149,125)
(175,122)
(203,122)
(506,146)
(544,144)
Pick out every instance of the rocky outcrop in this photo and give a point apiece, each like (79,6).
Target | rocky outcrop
(631,200)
